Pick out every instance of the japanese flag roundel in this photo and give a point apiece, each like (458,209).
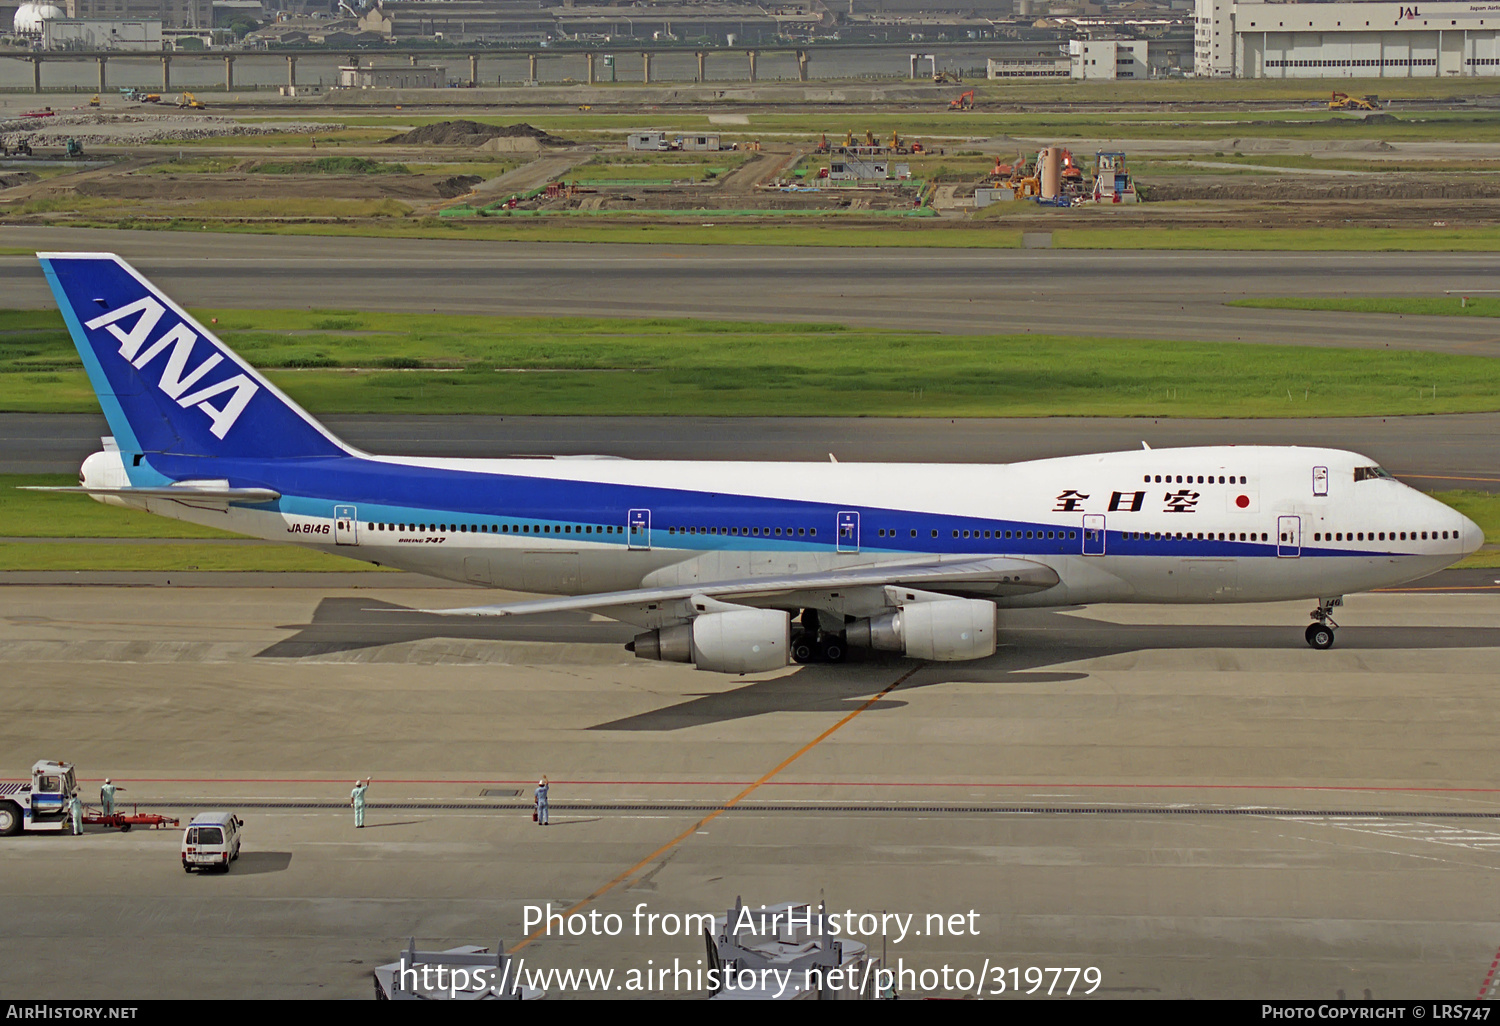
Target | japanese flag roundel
(1243,499)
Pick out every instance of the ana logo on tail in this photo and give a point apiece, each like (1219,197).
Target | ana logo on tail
(175,378)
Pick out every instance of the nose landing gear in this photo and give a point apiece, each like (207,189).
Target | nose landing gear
(1320,632)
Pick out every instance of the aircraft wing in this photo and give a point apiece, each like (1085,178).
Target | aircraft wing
(994,574)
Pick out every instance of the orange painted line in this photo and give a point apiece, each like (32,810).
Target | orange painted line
(674,842)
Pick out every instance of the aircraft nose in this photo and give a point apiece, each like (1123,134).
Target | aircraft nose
(1470,536)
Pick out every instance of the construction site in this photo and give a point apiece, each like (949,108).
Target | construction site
(957,160)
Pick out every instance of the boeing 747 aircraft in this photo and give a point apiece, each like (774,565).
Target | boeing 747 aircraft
(738,567)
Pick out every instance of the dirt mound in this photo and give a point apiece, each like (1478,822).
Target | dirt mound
(470,133)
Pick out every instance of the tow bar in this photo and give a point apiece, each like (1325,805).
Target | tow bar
(124,821)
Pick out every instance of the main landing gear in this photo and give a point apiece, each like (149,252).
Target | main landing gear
(811,644)
(1320,632)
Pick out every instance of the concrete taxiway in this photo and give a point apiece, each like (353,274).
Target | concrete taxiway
(1163,295)
(1188,798)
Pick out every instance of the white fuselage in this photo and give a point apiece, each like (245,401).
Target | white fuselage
(1211,524)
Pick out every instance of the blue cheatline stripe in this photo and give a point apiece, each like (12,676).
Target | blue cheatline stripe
(398,493)
(597,518)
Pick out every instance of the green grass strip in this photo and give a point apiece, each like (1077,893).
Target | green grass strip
(1446,306)
(359,362)
(1363,240)
(81,555)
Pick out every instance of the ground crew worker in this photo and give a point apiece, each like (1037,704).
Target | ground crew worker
(107,796)
(541,801)
(357,799)
(75,808)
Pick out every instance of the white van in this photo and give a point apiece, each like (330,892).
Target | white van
(211,841)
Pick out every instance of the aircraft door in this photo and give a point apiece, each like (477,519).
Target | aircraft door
(847,534)
(1093,534)
(345,526)
(1320,481)
(1289,536)
(638,529)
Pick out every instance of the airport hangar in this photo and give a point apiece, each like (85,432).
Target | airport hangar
(1345,40)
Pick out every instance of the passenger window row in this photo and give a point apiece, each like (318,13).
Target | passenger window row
(498,528)
(1379,535)
(758,532)
(1200,479)
(1188,536)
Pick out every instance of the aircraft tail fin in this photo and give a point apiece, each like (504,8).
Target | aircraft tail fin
(167,384)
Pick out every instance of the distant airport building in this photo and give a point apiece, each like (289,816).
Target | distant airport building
(1345,40)
(101,34)
(393,76)
(1028,67)
(173,14)
(1108,58)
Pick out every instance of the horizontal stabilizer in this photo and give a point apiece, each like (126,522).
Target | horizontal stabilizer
(1013,576)
(185,493)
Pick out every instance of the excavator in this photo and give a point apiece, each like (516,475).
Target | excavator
(964,102)
(190,101)
(1343,101)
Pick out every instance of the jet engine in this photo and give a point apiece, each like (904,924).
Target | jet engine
(947,630)
(737,641)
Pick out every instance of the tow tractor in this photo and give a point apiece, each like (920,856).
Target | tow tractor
(42,805)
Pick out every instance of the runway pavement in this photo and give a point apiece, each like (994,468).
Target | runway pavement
(1433,453)
(1170,295)
(1188,798)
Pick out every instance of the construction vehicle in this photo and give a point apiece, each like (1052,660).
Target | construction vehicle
(1071,172)
(45,112)
(190,101)
(72,148)
(822,146)
(964,102)
(945,78)
(42,805)
(1343,101)
(22,148)
(94,100)
(140,95)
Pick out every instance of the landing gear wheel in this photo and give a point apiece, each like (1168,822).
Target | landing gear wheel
(803,650)
(831,650)
(10,819)
(1319,636)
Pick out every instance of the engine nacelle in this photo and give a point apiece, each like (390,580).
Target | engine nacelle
(946,631)
(737,641)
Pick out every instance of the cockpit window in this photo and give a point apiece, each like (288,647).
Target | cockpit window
(1370,473)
